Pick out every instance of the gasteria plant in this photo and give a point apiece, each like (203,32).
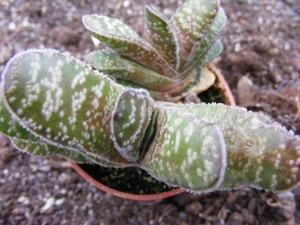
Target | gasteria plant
(54,104)
(171,58)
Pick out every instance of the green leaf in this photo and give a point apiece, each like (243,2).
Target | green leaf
(161,36)
(41,148)
(111,63)
(186,152)
(260,154)
(191,22)
(208,49)
(215,50)
(25,141)
(126,42)
(63,102)
(154,94)
(131,118)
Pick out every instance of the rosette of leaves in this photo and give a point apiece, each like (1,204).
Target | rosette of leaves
(171,60)
(53,104)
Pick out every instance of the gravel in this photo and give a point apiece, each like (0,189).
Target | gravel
(261,45)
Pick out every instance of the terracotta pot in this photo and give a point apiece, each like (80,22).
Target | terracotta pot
(223,90)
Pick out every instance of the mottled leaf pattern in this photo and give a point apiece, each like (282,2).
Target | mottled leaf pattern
(161,36)
(53,104)
(40,148)
(175,50)
(201,51)
(63,102)
(126,42)
(131,117)
(26,141)
(111,63)
(154,94)
(212,53)
(259,154)
(191,22)
(186,151)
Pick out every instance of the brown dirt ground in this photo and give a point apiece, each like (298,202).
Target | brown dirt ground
(261,62)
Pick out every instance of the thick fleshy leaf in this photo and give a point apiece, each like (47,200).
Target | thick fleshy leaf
(111,63)
(201,66)
(21,138)
(186,152)
(25,141)
(154,94)
(260,154)
(161,36)
(62,101)
(126,42)
(131,118)
(215,50)
(191,22)
(10,127)
(41,148)
(200,52)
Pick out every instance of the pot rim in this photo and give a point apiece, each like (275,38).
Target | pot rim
(146,197)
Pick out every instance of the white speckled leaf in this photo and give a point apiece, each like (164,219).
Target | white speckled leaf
(259,154)
(201,50)
(186,152)
(211,54)
(154,94)
(62,101)
(131,118)
(10,127)
(41,148)
(126,42)
(112,64)
(161,36)
(191,22)
(26,141)
(203,80)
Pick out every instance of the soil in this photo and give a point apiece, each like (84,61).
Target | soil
(261,61)
(128,180)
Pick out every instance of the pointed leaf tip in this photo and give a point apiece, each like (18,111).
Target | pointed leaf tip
(161,35)
(192,21)
(126,42)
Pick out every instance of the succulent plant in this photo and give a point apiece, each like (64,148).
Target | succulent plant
(171,59)
(54,104)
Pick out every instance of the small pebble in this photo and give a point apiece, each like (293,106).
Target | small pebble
(59,202)
(182,215)
(194,208)
(49,203)
(12,26)
(235,219)
(126,4)
(44,168)
(23,200)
